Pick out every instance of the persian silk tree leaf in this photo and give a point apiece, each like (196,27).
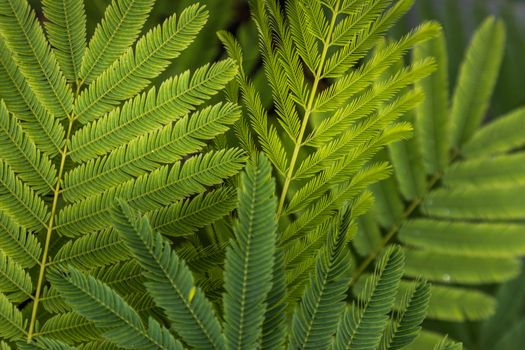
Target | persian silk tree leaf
(25,38)
(362,325)
(175,98)
(12,323)
(323,301)
(152,191)
(20,202)
(20,245)
(19,151)
(42,343)
(149,151)
(43,128)
(134,70)
(432,122)
(169,281)
(66,30)
(250,257)
(111,314)
(473,90)
(119,28)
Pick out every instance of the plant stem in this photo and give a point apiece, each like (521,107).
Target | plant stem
(308,111)
(56,195)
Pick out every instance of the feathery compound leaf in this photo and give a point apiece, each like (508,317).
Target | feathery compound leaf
(12,324)
(41,343)
(250,257)
(362,325)
(175,98)
(20,202)
(473,90)
(43,128)
(322,304)
(169,281)
(152,191)
(147,152)
(134,70)
(66,29)
(17,149)
(187,216)
(20,245)
(119,28)
(111,314)
(69,327)
(406,325)
(432,120)
(13,279)
(36,61)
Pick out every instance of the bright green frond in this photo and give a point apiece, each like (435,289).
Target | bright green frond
(20,202)
(450,268)
(169,281)
(250,256)
(4,346)
(12,323)
(41,343)
(362,325)
(92,250)
(22,155)
(134,70)
(15,283)
(110,313)
(473,90)
(175,98)
(122,22)
(407,323)
(98,345)
(41,126)
(323,301)
(489,202)
(25,38)
(70,328)
(187,216)
(17,243)
(495,171)
(445,344)
(465,238)
(148,152)
(502,135)
(66,30)
(152,191)
(432,119)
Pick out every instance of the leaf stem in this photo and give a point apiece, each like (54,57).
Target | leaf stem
(56,195)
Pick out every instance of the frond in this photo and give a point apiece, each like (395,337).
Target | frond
(12,323)
(432,114)
(66,31)
(175,98)
(407,324)
(322,304)
(250,256)
(42,343)
(15,283)
(169,281)
(92,250)
(98,345)
(134,70)
(20,202)
(42,127)
(69,327)
(152,191)
(498,137)
(20,245)
(473,91)
(122,22)
(110,313)
(362,325)
(22,155)
(187,216)
(149,151)
(25,38)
